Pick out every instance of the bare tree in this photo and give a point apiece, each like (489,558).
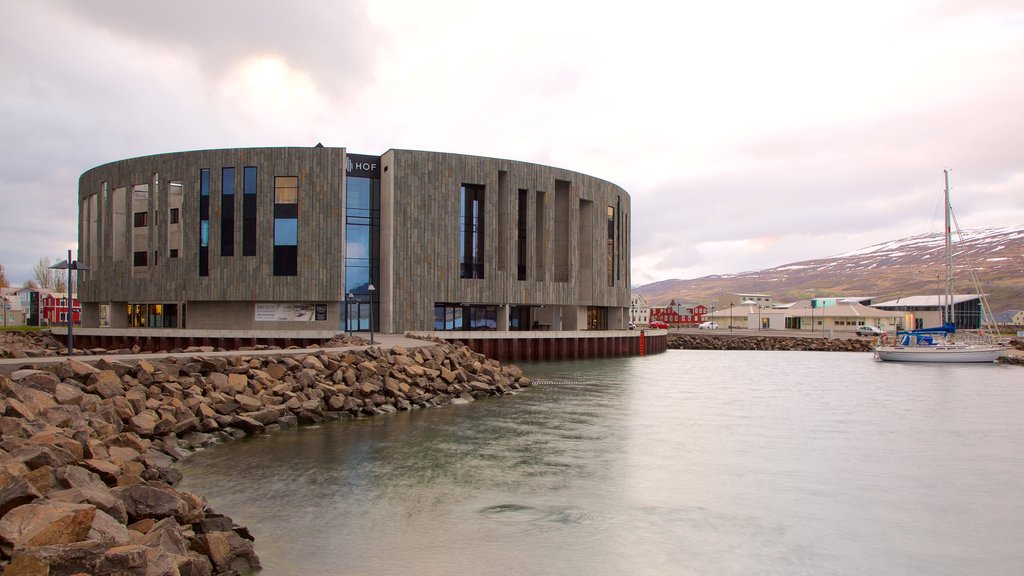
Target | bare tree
(3,277)
(31,284)
(48,278)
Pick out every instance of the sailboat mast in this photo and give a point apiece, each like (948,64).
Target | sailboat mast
(947,305)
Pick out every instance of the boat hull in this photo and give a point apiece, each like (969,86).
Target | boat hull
(951,354)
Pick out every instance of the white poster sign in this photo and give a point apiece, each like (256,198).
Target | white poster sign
(277,312)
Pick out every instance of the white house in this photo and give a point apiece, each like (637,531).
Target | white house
(639,310)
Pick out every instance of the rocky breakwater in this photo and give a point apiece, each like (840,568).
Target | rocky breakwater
(86,458)
(744,342)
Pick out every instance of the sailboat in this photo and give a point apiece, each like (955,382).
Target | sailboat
(940,344)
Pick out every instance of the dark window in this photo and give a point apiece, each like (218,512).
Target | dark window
(141,219)
(227,211)
(249,211)
(139,258)
(471,248)
(204,222)
(465,317)
(521,247)
(175,215)
(174,253)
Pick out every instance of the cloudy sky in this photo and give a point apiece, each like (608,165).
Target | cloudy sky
(749,133)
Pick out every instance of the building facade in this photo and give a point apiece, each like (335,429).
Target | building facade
(318,239)
(54,309)
(639,310)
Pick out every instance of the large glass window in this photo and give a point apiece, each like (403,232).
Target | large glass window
(362,250)
(471,248)
(465,317)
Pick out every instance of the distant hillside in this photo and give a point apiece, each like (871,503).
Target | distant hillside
(885,271)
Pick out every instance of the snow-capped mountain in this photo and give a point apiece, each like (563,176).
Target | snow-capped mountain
(913,265)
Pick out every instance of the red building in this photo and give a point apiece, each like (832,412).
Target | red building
(678,315)
(55,309)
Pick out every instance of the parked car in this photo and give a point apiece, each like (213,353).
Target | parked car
(708,326)
(869,331)
(659,325)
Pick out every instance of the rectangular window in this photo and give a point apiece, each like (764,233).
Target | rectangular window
(561,231)
(249,211)
(465,317)
(540,237)
(174,253)
(611,246)
(286,226)
(471,249)
(204,222)
(175,198)
(139,219)
(521,245)
(286,189)
(139,258)
(227,211)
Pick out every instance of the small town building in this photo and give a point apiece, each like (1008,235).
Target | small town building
(926,311)
(679,315)
(55,309)
(639,310)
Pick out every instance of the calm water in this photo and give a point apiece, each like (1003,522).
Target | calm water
(688,462)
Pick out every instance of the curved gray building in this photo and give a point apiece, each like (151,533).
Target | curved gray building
(318,240)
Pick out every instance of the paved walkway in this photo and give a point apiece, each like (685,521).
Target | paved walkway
(9,365)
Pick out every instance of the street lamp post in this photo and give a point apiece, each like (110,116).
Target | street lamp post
(730,316)
(759,318)
(371,289)
(70,265)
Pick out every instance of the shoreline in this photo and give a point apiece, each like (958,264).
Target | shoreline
(86,461)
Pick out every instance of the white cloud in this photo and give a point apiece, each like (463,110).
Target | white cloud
(749,134)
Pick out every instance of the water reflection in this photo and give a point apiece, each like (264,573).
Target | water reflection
(685,462)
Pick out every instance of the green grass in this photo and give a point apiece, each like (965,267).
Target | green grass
(24,328)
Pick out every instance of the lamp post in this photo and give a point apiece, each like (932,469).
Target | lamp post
(758,318)
(70,265)
(730,316)
(371,289)
(348,312)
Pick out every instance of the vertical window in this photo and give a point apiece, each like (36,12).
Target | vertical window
(249,211)
(611,246)
(362,248)
(227,211)
(540,236)
(471,248)
(521,246)
(175,196)
(120,221)
(286,226)
(140,206)
(204,222)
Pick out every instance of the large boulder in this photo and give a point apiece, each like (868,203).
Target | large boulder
(15,491)
(228,551)
(145,501)
(46,523)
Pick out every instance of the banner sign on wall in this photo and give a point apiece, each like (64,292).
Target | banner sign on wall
(277,312)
